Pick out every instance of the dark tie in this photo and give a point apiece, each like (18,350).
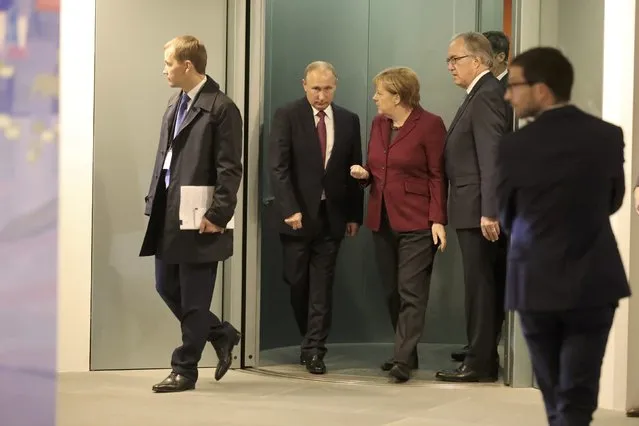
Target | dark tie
(321,133)
(179,118)
(181,112)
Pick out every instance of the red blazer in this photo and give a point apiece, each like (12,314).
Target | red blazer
(409,173)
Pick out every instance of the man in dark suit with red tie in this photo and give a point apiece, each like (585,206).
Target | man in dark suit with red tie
(312,146)
(200,145)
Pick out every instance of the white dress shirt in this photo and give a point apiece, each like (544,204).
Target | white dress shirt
(470,88)
(502,75)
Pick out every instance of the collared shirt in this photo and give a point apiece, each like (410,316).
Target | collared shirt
(194,92)
(191,94)
(502,75)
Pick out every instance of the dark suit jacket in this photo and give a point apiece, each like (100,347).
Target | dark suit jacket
(408,175)
(471,153)
(511,113)
(299,176)
(560,179)
(206,152)
(504,81)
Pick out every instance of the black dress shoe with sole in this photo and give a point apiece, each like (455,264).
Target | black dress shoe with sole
(389,363)
(174,383)
(465,374)
(315,365)
(400,372)
(225,354)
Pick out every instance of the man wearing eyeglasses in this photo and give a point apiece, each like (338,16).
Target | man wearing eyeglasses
(470,161)
(561,177)
(500,45)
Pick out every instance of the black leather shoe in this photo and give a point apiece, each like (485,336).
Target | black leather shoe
(389,363)
(174,383)
(400,372)
(225,354)
(315,365)
(465,374)
(633,412)
(459,356)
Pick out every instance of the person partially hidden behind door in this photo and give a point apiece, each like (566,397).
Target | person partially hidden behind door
(200,145)
(407,206)
(559,180)
(312,145)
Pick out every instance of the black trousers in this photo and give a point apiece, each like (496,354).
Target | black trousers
(405,262)
(485,282)
(567,349)
(309,271)
(187,289)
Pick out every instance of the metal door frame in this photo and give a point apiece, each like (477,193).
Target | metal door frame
(518,370)
(235,308)
(254,101)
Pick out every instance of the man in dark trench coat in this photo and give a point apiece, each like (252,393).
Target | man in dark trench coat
(200,146)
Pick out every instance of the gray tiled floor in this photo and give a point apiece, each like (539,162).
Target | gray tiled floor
(249,398)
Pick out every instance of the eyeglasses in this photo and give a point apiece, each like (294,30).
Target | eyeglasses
(510,85)
(453,60)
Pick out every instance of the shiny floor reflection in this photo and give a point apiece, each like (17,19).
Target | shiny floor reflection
(359,362)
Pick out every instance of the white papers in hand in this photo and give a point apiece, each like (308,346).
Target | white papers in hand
(194,203)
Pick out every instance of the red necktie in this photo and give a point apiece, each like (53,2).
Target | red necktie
(321,133)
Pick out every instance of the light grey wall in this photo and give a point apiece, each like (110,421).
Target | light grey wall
(576,27)
(131,327)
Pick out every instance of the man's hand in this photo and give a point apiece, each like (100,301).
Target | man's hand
(636,194)
(351,229)
(439,235)
(358,172)
(207,227)
(295,221)
(490,228)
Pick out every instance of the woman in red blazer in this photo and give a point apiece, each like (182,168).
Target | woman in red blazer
(407,206)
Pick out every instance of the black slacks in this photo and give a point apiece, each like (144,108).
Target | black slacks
(485,282)
(187,289)
(405,262)
(309,271)
(566,350)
